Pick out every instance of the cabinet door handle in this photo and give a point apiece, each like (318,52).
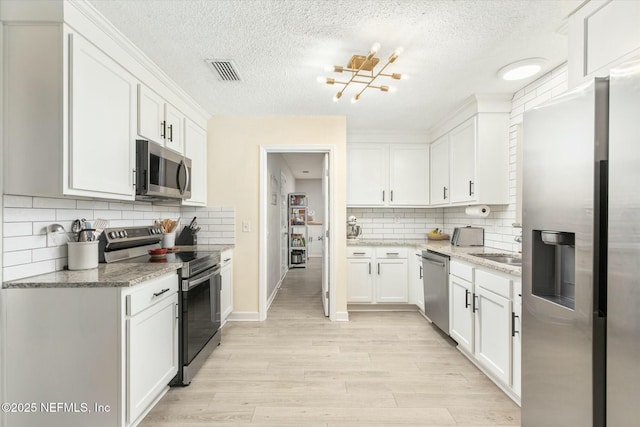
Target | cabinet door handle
(475,303)
(466,298)
(392,195)
(177,312)
(471,188)
(383,195)
(420,272)
(135,178)
(171,133)
(163,128)
(393,253)
(444,193)
(378,269)
(227,260)
(513,324)
(359,253)
(157,294)
(369,268)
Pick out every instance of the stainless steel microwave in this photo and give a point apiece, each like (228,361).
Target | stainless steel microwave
(161,173)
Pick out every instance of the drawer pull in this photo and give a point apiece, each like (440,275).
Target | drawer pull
(227,260)
(393,253)
(359,253)
(157,294)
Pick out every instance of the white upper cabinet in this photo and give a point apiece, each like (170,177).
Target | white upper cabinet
(470,155)
(602,34)
(72,114)
(151,124)
(159,121)
(462,141)
(388,175)
(367,174)
(408,174)
(80,95)
(440,188)
(102,112)
(174,135)
(196,149)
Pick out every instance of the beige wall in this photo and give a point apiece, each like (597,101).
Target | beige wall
(233,180)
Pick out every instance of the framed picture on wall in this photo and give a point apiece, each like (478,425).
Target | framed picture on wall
(273,183)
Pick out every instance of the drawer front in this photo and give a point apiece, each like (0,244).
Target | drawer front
(359,252)
(391,252)
(226,257)
(461,270)
(497,284)
(151,292)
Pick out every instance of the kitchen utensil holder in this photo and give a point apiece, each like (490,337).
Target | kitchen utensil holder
(187,237)
(82,255)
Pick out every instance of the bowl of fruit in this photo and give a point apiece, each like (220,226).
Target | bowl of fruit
(437,234)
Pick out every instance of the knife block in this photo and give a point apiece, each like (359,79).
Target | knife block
(187,237)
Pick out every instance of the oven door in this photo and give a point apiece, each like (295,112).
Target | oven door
(200,312)
(161,173)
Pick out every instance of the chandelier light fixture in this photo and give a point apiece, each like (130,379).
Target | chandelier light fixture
(362,69)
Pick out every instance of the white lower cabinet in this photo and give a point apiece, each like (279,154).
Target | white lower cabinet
(377,275)
(113,349)
(483,314)
(226,285)
(516,339)
(416,286)
(461,312)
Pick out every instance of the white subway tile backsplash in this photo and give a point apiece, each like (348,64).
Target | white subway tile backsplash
(14,229)
(26,220)
(28,214)
(24,242)
(11,201)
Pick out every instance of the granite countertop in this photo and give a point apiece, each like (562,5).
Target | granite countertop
(444,247)
(116,275)
(207,248)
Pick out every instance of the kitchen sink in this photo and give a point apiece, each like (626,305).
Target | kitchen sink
(502,258)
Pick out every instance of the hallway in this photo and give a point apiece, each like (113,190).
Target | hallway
(297,368)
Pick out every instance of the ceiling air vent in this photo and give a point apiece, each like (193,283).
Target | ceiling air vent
(225,69)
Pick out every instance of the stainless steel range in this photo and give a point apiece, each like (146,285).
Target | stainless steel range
(199,290)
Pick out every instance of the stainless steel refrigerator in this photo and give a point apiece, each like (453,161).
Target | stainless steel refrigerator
(581,256)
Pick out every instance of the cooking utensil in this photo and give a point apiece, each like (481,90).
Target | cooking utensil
(86,235)
(192,224)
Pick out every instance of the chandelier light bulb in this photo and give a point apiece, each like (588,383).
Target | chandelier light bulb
(355,98)
(375,48)
(337,96)
(321,79)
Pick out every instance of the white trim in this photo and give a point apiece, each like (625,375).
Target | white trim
(264,180)
(274,293)
(387,137)
(342,316)
(244,316)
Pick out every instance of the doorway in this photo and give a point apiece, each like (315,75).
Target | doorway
(287,171)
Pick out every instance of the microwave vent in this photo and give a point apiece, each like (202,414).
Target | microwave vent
(225,70)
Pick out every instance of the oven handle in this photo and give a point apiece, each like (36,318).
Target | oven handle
(188,284)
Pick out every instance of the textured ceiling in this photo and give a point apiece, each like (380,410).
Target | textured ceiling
(452,49)
(299,162)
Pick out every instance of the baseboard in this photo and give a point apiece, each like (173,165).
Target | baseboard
(342,316)
(244,316)
(382,307)
(273,294)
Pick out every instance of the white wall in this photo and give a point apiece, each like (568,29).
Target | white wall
(276,166)
(27,250)
(313,189)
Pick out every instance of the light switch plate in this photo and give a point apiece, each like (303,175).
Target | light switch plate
(246,226)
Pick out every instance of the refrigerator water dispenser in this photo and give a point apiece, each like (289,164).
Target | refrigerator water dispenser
(554,267)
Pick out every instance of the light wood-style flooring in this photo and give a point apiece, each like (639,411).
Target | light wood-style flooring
(300,369)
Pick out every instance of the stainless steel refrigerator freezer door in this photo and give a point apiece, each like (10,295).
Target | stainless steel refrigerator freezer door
(558,195)
(623,302)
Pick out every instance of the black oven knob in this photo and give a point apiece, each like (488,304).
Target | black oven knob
(112,234)
(120,233)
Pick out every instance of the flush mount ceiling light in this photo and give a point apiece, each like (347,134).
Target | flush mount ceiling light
(521,69)
(362,69)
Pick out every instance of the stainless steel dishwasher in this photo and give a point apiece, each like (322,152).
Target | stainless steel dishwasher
(435,280)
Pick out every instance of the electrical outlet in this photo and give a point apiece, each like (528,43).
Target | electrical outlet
(246,226)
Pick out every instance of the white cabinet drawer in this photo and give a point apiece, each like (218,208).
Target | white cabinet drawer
(499,285)
(461,270)
(226,257)
(359,252)
(391,252)
(151,292)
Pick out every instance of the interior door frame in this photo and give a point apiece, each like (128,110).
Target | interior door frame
(265,199)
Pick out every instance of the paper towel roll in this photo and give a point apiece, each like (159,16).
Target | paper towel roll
(480,211)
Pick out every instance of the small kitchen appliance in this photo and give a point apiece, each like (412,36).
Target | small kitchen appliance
(161,174)
(468,236)
(353,229)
